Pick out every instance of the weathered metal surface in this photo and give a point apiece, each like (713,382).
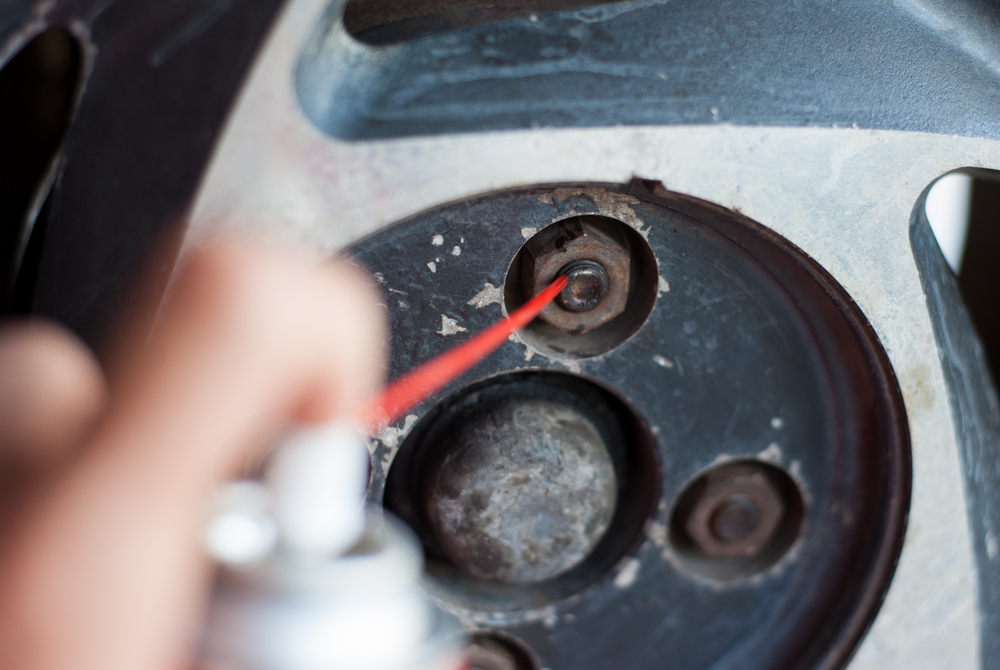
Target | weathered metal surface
(759,358)
(551,250)
(915,65)
(845,196)
(735,513)
(586,288)
(525,491)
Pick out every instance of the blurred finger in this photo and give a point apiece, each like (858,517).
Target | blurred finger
(248,340)
(51,392)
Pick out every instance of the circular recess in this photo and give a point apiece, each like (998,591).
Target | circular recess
(613,281)
(525,487)
(736,519)
(524,490)
(494,650)
(756,431)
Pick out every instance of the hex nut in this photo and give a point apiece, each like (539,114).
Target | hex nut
(581,238)
(736,514)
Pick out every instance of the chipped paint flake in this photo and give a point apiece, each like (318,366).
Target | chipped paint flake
(403,305)
(777,423)
(529,353)
(432,266)
(437,240)
(664,362)
(572,366)
(449,326)
(528,233)
(773,453)
(628,574)
(662,286)
(488,296)
(456,251)
(658,534)
(391,436)
(379,277)
(614,205)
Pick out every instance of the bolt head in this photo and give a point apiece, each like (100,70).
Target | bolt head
(587,287)
(736,514)
(564,243)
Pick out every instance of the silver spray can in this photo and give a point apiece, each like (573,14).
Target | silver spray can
(308,580)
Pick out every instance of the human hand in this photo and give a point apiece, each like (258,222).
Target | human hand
(103,567)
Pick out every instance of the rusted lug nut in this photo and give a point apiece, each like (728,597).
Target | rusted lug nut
(587,287)
(566,243)
(735,518)
(736,513)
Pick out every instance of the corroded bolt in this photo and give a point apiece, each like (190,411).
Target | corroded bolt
(735,518)
(570,241)
(736,513)
(587,287)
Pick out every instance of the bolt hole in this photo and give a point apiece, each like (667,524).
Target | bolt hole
(473,479)
(735,520)
(616,292)
(491,650)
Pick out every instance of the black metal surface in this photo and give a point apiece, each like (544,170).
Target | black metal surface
(38,87)
(753,353)
(923,65)
(976,414)
(162,76)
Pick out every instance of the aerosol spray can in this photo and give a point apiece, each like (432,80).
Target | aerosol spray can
(310,580)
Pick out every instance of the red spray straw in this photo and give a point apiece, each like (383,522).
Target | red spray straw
(417,385)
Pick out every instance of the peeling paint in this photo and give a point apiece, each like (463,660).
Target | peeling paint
(488,296)
(662,286)
(456,251)
(449,326)
(773,453)
(528,233)
(664,362)
(657,533)
(629,573)
(613,205)
(571,365)
(475,619)
(437,240)
(432,266)
(390,437)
